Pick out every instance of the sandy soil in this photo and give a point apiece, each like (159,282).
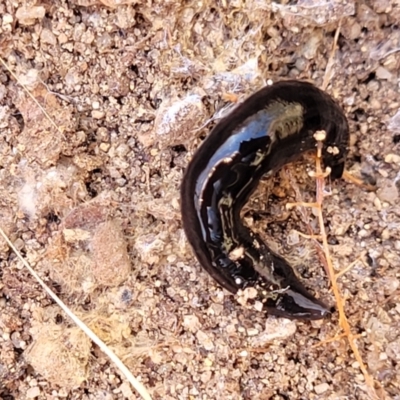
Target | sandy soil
(101,107)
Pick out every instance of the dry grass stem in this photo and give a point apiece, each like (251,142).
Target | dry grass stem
(112,356)
(320,176)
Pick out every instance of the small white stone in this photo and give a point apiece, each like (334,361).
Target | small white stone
(104,147)
(321,388)
(33,392)
(363,233)
(383,73)
(98,114)
(252,332)
(383,357)
(7,19)
(392,158)
(251,292)
(204,340)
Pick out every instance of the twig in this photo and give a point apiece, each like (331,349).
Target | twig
(32,97)
(343,322)
(328,71)
(113,357)
(348,268)
(320,176)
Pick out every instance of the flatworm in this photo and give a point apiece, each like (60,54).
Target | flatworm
(270,129)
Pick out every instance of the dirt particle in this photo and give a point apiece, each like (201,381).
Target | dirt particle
(28,15)
(204,340)
(111,261)
(321,388)
(33,392)
(388,193)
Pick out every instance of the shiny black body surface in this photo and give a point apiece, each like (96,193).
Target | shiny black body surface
(273,127)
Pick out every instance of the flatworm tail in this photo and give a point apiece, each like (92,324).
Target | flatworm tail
(273,127)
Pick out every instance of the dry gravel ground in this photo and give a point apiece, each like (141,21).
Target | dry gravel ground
(91,199)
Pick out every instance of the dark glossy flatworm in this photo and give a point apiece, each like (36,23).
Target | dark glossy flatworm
(271,128)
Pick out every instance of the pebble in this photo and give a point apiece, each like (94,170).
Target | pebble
(363,233)
(207,362)
(204,340)
(392,158)
(385,234)
(383,73)
(62,38)
(206,376)
(122,150)
(191,323)
(275,329)
(97,114)
(393,350)
(388,193)
(105,147)
(377,204)
(252,332)
(126,390)
(355,31)
(47,36)
(27,15)
(7,19)
(33,392)
(321,388)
